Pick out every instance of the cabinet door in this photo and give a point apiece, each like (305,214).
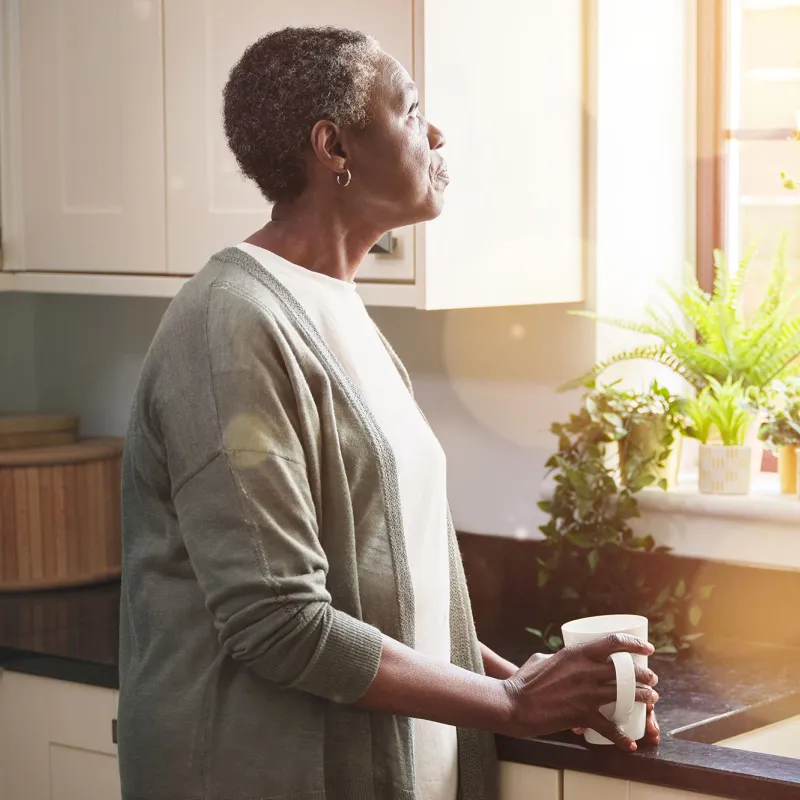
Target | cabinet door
(504,81)
(57,741)
(582,786)
(89,82)
(524,782)
(209,204)
(642,791)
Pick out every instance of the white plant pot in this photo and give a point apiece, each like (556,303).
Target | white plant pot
(725,470)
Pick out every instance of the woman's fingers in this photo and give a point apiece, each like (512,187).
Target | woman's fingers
(652,733)
(601,649)
(644,694)
(613,732)
(645,675)
(607,673)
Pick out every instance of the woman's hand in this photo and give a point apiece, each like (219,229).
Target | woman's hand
(566,690)
(652,733)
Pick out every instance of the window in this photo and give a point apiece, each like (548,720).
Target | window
(748,129)
(748,133)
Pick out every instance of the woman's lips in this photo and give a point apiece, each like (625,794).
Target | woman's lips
(441,175)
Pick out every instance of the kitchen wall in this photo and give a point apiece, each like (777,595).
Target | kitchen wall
(485,379)
(17,371)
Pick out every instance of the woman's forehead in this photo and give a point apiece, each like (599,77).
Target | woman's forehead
(393,78)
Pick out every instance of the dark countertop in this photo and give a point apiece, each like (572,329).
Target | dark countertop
(722,680)
(72,635)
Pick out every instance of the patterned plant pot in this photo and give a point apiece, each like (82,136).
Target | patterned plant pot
(725,470)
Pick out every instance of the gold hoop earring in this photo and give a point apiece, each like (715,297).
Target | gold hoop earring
(339,178)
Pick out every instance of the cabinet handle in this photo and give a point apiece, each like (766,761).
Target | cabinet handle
(114,731)
(384,245)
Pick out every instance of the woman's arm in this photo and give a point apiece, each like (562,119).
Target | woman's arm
(496,666)
(546,695)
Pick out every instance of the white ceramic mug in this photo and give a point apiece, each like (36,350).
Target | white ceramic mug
(626,713)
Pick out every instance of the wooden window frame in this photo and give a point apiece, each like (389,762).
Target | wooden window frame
(712,134)
(712,59)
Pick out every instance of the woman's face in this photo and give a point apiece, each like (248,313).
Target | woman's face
(399,175)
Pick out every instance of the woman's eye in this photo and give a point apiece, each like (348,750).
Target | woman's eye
(413,109)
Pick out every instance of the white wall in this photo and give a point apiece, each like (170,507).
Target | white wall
(486,378)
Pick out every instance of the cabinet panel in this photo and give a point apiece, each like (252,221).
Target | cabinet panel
(80,774)
(642,791)
(508,92)
(210,205)
(56,739)
(582,786)
(91,135)
(524,782)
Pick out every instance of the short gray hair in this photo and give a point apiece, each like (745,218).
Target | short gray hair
(281,87)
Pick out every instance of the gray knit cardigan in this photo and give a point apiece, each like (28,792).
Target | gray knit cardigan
(263,555)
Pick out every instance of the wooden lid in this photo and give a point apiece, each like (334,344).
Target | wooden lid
(75,453)
(29,423)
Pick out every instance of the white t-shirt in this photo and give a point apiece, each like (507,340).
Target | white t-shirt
(340,316)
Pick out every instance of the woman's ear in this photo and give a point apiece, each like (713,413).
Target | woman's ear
(326,142)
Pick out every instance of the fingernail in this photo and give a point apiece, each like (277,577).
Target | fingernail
(653,679)
(632,747)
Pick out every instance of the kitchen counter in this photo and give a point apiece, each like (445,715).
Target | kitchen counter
(721,681)
(73,634)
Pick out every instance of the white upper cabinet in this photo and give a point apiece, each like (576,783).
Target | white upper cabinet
(83,110)
(114,157)
(504,80)
(209,204)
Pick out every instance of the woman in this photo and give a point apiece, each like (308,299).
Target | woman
(295,622)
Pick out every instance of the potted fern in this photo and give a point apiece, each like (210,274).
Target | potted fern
(780,429)
(719,418)
(708,336)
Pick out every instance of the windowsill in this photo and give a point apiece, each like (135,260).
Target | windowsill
(761,529)
(764,503)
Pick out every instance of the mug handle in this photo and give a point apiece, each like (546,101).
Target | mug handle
(626,687)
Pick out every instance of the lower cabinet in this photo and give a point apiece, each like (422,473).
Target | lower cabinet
(56,740)
(582,786)
(524,782)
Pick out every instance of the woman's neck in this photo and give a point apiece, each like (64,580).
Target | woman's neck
(317,237)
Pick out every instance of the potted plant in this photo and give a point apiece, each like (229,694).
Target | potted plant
(719,418)
(780,429)
(590,555)
(710,336)
(644,425)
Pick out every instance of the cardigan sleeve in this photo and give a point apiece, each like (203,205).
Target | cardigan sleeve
(248,517)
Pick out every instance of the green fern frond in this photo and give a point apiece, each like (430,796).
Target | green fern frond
(693,304)
(720,275)
(658,353)
(776,287)
(738,279)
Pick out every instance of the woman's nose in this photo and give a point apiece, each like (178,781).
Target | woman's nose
(435,137)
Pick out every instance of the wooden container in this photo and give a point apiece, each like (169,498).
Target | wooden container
(60,518)
(18,431)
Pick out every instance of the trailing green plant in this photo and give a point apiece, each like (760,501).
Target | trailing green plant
(724,408)
(781,415)
(707,335)
(645,424)
(590,546)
